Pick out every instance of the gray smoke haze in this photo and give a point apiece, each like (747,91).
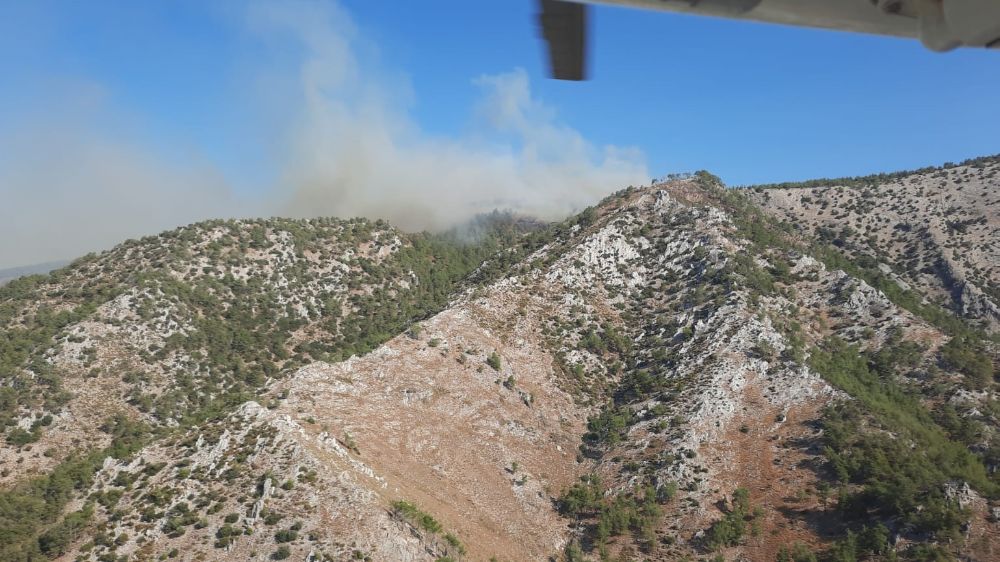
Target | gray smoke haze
(344,145)
(67,186)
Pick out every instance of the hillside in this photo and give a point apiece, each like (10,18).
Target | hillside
(675,373)
(935,229)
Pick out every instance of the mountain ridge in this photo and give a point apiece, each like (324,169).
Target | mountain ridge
(574,391)
(934,228)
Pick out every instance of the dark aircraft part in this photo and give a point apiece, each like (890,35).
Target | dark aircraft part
(564,27)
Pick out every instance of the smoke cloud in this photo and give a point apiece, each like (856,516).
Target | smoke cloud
(346,145)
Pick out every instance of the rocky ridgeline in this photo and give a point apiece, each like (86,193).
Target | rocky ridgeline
(649,380)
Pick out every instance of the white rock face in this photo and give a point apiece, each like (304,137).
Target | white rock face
(258,505)
(608,257)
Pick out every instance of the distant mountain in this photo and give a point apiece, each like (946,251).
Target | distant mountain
(7,275)
(679,372)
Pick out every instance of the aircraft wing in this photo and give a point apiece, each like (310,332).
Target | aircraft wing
(941,25)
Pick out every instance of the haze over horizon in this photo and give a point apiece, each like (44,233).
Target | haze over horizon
(121,121)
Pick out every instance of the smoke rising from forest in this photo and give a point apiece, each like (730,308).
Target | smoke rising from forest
(343,143)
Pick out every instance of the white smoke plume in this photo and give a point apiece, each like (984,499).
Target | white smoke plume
(345,146)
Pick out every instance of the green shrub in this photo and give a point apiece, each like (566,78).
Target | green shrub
(493,361)
(609,426)
(56,540)
(729,530)
(29,507)
(582,497)
(573,552)
(419,518)
(454,543)
(799,552)
(967,356)
(19,437)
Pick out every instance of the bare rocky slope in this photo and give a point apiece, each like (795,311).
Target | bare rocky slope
(672,374)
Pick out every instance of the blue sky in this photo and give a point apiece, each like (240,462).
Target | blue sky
(751,102)
(210,94)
